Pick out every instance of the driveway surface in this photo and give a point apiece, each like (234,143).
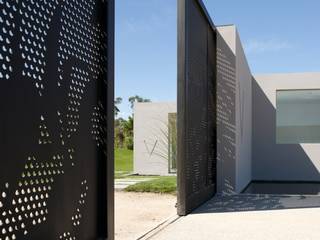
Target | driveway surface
(250,217)
(138,213)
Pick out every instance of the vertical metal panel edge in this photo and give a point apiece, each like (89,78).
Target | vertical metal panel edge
(110,119)
(206,13)
(181,103)
(216,108)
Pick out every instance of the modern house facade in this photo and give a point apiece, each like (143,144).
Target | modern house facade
(234,120)
(276,121)
(155,138)
(268,126)
(286,119)
(234,113)
(57,118)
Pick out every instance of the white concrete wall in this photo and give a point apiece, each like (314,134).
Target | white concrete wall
(234,113)
(226,110)
(243,118)
(280,162)
(150,126)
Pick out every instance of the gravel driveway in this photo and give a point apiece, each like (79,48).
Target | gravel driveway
(137,213)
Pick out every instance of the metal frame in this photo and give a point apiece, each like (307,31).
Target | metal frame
(110,121)
(181,106)
(187,203)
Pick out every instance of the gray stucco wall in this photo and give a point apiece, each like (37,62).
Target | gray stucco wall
(280,162)
(150,143)
(234,113)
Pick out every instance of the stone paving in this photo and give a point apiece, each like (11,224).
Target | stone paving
(122,183)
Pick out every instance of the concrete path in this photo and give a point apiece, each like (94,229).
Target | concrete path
(250,217)
(122,183)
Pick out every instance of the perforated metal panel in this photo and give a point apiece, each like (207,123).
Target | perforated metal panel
(196,106)
(56,108)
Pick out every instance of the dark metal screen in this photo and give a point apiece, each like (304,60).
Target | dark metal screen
(56,88)
(196,106)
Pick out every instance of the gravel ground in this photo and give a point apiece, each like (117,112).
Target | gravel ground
(137,213)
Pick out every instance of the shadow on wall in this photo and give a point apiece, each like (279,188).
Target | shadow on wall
(272,161)
(160,142)
(242,202)
(226,117)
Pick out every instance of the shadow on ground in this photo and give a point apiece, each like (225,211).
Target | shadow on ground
(247,202)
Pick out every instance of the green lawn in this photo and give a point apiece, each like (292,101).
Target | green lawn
(124,166)
(123,162)
(157,185)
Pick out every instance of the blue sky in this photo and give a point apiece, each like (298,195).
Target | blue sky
(278,36)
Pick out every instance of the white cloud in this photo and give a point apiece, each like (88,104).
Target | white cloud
(263,46)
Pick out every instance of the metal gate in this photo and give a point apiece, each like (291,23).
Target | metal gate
(56,138)
(196,106)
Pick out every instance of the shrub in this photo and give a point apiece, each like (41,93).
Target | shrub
(129,142)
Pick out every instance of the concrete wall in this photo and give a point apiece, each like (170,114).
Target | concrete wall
(280,162)
(150,143)
(243,118)
(226,110)
(234,113)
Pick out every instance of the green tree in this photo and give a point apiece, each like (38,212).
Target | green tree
(124,128)
(117,101)
(128,129)
(137,98)
(119,132)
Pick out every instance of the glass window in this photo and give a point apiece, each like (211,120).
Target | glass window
(298,116)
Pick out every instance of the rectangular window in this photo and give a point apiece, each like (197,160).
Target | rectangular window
(298,116)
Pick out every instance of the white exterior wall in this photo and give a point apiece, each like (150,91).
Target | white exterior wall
(234,113)
(150,126)
(243,118)
(280,162)
(226,110)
